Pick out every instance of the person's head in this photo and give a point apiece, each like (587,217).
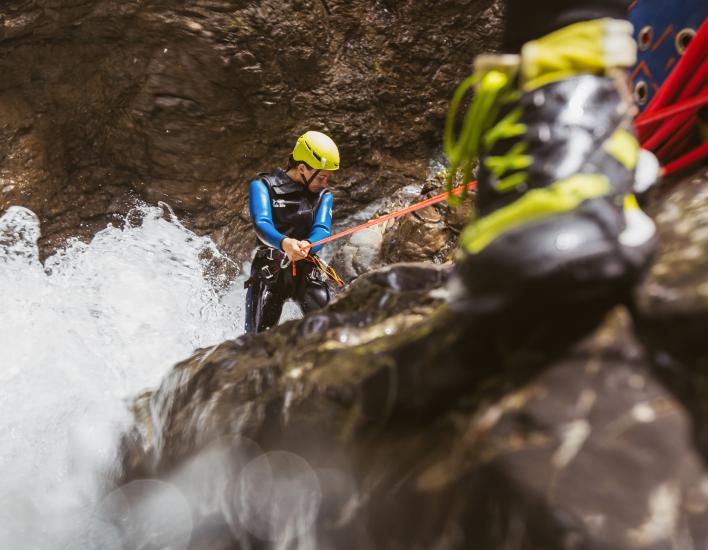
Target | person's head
(313,160)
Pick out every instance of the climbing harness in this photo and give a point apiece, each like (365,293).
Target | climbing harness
(324,267)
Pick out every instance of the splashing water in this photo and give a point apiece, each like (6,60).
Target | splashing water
(81,335)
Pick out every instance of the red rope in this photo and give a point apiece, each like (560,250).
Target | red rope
(671,111)
(675,86)
(666,131)
(686,160)
(667,126)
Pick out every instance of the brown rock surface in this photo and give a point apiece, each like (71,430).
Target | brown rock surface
(102,101)
(673,301)
(429,234)
(672,304)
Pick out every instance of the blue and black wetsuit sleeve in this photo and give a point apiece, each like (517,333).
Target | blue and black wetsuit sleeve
(322,227)
(262,215)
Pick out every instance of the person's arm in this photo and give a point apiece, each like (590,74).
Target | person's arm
(262,215)
(322,227)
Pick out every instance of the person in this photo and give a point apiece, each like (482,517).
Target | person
(556,219)
(290,210)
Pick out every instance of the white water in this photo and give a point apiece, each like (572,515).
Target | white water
(80,336)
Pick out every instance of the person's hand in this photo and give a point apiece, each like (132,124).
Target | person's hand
(294,249)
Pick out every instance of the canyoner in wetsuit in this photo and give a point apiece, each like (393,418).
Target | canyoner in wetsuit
(290,210)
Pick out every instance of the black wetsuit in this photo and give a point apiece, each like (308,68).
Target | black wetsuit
(281,207)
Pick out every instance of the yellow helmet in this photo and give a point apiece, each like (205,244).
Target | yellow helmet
(317,150)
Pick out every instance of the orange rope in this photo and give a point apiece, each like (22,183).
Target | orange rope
(412,208)
(331,273)
(325,268)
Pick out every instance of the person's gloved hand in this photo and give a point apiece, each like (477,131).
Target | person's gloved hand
(294,249)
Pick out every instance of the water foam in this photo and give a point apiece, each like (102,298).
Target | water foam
(82,334)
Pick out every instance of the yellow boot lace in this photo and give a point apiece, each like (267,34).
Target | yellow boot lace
(492,89)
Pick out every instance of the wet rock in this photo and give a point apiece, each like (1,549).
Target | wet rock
(361,253)
(429,234)
(673,301)
(424,431)
(376,307)
(672,304)
(592,453)
(105,102)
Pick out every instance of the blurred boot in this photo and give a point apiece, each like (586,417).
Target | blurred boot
(556,220)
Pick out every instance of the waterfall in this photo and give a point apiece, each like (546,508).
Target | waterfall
(82,334)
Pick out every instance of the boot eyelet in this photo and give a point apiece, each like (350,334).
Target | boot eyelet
(641,92)
(683,39)
(645,37)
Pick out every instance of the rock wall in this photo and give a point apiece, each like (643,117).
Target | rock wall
(102,101)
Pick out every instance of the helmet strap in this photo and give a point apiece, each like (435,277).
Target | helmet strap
(306,181)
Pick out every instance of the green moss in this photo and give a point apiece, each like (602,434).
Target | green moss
(238,25)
